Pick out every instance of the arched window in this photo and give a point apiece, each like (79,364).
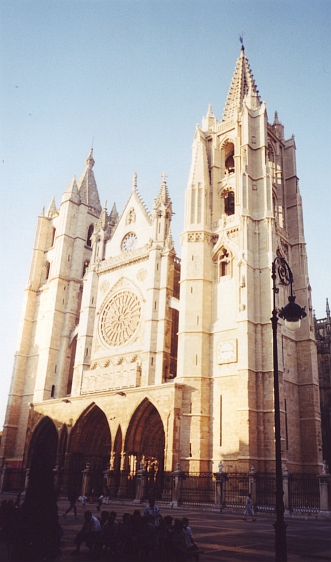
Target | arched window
(224,263)
(89,235)
(229,158)
(47,270)
(53,391)
(229,203)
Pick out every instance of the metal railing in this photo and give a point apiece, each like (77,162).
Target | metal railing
(303,490)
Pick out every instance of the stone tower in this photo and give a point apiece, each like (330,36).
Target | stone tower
(51,309)
(242,208)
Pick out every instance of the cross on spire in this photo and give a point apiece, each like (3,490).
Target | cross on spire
(164,176)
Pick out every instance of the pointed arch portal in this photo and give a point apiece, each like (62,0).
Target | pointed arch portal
(90,442)
(44,441)
(145,442)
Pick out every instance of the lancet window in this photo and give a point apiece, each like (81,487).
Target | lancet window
(229,158)
(89,235)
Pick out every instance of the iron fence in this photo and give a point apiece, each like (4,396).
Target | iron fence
(303,490)
(265,491)
(236,490)
(198,488)
(304,494)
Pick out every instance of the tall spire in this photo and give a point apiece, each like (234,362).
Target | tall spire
(242,84)
(163,195)
(87,186)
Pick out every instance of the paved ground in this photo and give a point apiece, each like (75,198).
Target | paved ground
(223,536)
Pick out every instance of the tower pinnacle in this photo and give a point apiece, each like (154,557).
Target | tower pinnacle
(90,160)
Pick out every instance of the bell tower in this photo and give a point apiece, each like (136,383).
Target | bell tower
(242,208)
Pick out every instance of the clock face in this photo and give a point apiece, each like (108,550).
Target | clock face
(129,242)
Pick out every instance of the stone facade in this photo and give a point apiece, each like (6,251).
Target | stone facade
(127,355)
(323,338)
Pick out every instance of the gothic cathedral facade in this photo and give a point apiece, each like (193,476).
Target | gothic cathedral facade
(128,356)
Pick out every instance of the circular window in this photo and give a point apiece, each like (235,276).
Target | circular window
(129,242)
(120,318)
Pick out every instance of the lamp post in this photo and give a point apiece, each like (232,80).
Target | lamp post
(292,314)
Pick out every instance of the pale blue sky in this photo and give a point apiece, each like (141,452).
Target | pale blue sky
(136,76)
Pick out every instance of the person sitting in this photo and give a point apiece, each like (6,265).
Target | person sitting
(89,533)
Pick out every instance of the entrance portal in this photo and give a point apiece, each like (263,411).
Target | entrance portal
(90,443)
(145,441)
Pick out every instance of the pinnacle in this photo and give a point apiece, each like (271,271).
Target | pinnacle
(243,83)
(87,186)
(89,160)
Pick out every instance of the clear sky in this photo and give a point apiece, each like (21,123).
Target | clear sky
(134,78)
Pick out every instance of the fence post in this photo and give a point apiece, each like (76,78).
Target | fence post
(27,476)
(220,486)
(177,477)
(324,485)
(286,496)
(141,484)
(252,485)
(3,477)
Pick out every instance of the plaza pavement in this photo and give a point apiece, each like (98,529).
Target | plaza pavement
(222,536)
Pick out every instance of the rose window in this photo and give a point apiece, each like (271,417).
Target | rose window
(120,318)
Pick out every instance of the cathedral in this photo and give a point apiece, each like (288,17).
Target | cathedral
(128,356)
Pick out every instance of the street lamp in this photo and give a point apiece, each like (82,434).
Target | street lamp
(292,313)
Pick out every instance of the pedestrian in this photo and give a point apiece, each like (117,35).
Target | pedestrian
(83,499)
(99,503)
(107,495)
(152,512)
(72,497)
(249,508)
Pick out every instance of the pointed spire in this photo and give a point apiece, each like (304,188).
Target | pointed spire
(113,212)
(89,160)
(327,309)
(87,186)
(278,126)
(52,208)
(243,83)
(134,182)
(209,122)
(169,242)
(199,172)
(163,195)
(71,193)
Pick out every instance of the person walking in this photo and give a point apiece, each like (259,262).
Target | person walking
(72,501)
(249,509)
(152,512)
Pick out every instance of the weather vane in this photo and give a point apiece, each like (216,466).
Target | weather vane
(241,39)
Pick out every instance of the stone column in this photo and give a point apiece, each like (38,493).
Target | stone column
(141,484)
(252,485)
(122,491)
(324,481)
(86,483)
(220,487)
(177,477)
(286,496)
